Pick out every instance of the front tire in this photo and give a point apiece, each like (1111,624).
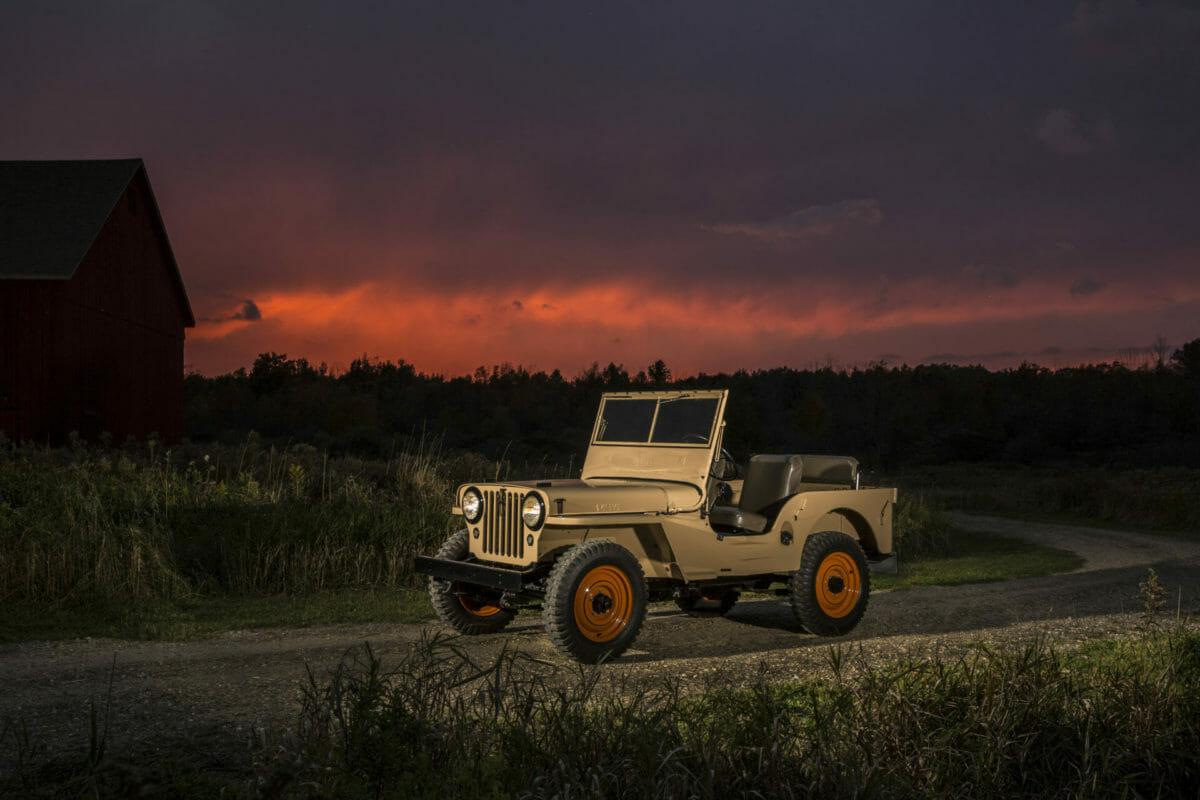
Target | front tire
(831,588)
(463,606)
(595,601)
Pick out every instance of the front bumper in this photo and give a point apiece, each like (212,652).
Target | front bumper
(509,580)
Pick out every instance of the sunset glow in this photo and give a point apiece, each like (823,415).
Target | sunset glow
(565,328)
(555,186)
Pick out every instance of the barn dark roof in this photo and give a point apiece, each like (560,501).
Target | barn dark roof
(52,211)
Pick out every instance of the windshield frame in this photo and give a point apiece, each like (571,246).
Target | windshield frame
(660,399)
(686,463)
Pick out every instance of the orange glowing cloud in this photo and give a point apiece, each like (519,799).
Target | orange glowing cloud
(549,326)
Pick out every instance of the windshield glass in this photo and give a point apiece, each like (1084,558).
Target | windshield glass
(671,420)
(626,420)
(686,421)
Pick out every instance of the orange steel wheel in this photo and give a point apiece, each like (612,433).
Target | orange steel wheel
(603,603)
(838,585)
(467,608)
(473,606)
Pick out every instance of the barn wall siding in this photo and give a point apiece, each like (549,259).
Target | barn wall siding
(102,351)
(27,314)
(127,272)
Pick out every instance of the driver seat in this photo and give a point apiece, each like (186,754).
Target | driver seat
(770,479)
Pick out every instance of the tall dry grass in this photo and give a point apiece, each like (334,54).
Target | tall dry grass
(1029,722)
(919,526)
(149,522)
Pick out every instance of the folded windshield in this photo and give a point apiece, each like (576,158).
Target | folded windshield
(665,420)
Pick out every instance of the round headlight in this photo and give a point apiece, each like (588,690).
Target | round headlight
(472,505)
(533,511)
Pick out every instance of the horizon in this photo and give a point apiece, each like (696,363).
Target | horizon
(1144,359)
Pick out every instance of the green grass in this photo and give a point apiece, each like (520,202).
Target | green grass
(196,617)
(933,553)
(971,557)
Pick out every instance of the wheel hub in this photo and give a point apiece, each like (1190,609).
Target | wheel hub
(602,603)
(836,585)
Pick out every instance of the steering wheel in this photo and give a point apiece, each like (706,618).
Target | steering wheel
(700,438)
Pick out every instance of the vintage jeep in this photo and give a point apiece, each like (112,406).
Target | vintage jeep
(656,514)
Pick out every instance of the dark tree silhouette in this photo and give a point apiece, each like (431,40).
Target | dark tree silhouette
(658,373)
(1187,358)
(887,417)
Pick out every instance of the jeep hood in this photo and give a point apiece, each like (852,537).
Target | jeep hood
(570,498)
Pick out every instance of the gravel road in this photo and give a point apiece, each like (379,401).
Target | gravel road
(218,690)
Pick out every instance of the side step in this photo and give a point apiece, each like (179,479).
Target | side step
(888,565)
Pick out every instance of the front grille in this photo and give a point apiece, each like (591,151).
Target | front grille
(503,530)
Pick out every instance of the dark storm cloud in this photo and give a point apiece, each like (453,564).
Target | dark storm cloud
(1133,31)
(970,358)
(1063,133)
(983,276)
(1085,286)
(249,312)
(810,222)
(620,122)
(1139,64)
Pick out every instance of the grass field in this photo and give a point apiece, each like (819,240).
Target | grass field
(1112,719)
(990,724)
(149,543)
(978,558)
(177,544)
(143,542)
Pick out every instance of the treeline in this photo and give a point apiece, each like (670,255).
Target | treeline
(888,417)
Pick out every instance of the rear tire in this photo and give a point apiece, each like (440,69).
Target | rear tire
(832,586)
(469,609)
(595,601)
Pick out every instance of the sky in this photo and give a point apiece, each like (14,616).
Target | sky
(718,185)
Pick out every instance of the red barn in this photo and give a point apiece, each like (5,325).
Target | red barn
(92,306)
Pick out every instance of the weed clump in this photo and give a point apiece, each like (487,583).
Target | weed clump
(919,526)
(1154,597)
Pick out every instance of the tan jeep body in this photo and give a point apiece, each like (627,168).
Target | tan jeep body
(652,484)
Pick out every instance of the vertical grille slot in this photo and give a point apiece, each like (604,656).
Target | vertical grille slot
(502,526)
